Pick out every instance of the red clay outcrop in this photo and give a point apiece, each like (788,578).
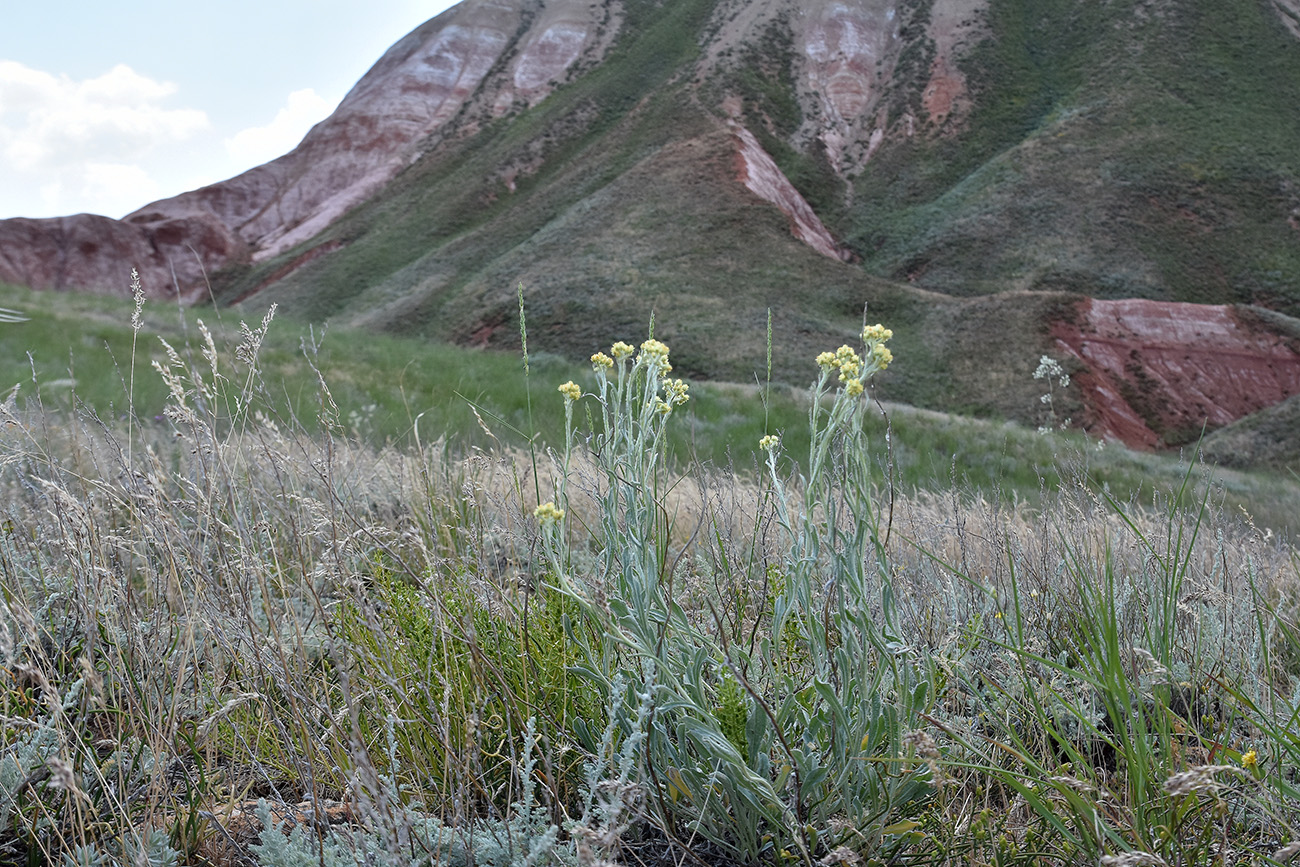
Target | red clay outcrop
(1155,372)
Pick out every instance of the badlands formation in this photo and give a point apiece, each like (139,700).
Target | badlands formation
(1143,368)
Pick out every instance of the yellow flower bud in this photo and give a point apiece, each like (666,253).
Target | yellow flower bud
(654,352)
(876,334)
(548,514)
(676,391)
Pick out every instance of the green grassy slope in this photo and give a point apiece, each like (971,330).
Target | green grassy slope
(632,209)
(1266,439)
(1124,149)
(381,385)
(1118,149)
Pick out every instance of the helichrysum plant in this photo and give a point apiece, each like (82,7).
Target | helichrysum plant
(797,747)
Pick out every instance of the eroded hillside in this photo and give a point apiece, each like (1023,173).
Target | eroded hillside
(940,163)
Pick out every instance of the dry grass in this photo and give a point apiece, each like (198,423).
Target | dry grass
(222,609)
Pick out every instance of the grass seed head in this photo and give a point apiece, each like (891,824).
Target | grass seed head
(1199,779)
(1133,859)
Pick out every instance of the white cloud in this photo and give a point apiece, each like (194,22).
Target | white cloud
(51,123)
(260,144)
(113,189)
(84,141)
(128,184)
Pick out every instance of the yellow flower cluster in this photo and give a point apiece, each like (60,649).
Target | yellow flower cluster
(874,337)
(548,514)
(1250,760)
(654,352)
(769,442)
(876,334)
(853,369)
(676,390)
(849,363)
(570,390)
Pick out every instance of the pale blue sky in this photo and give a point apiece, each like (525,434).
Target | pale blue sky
(105,107)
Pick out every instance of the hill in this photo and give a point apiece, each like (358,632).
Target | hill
(970,172)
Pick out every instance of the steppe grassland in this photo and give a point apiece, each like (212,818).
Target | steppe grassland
(797,664)
(389,389)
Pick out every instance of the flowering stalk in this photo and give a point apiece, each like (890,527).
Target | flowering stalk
(635,405)
(572,394)
(1050,369)
(835,431)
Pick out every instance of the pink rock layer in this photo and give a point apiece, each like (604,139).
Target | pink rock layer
(760,174)
(1156,370)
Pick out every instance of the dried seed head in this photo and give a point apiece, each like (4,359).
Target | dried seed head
(1287,852)
(93,681)
(923,744)
(1148,663)
(63,777)
(840,855)
(1133,859)
(926,750)
(1198,779)
(137,292)
(209,348)
(1073,783)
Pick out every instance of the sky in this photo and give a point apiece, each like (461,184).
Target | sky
(105,107)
